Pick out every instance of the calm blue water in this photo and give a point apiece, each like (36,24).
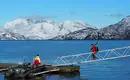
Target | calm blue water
(14,51)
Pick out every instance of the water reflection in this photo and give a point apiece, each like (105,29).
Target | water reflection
(63,76)
(33,78)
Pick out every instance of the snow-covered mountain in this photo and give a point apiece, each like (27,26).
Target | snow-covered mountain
(120,30)
(27,29)
(44,29)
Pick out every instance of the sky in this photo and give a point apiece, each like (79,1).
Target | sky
(98,13)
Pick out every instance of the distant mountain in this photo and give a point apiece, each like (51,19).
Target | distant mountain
(44,29)
(120,30)
(27,29)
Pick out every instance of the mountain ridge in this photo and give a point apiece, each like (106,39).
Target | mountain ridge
(27,29)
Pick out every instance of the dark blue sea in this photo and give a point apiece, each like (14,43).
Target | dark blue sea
(49,50)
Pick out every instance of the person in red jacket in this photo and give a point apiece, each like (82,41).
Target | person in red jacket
(94,50)
(37,61)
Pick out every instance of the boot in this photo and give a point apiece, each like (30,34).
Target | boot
(94,58)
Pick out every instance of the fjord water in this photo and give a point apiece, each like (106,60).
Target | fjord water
(49,50)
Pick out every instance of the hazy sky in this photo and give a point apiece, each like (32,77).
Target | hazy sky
(95,12)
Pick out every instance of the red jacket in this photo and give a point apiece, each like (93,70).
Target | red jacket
(94,49)
(37,61)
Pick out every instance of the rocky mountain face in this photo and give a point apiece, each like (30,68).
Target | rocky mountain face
(7,35)
(87,33)
(120,30)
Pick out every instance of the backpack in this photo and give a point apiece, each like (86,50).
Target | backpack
(97,49)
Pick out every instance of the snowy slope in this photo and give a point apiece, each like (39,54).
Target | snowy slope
(7,35)
(44,29)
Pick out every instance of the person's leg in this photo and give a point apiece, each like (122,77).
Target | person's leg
(93,56)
